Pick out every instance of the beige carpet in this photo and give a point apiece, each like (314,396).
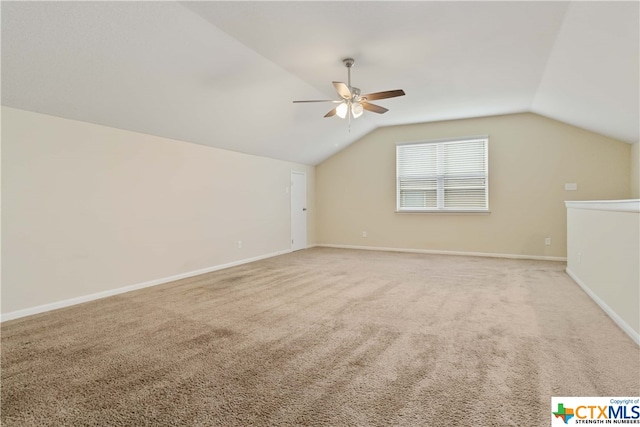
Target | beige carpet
(322,337)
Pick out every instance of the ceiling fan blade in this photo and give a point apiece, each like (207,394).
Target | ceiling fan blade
(316,100)
(383,95)
(342,89)
(374,108)
(331,113)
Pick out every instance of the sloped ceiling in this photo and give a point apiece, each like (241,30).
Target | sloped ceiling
(224,73)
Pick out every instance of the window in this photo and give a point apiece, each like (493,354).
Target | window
(443,176)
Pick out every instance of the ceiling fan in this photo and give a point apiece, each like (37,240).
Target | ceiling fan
(352,104)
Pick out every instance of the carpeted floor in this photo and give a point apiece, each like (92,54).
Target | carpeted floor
(322,337)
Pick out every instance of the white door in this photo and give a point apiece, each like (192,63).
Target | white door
(298,210)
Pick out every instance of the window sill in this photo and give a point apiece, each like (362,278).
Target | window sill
(446,212)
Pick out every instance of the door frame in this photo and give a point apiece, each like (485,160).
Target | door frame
(291,206)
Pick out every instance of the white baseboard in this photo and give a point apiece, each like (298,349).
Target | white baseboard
(435,252)
(78,300)
(635,336)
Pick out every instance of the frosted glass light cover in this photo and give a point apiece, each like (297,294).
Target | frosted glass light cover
(342,110)
(356,110)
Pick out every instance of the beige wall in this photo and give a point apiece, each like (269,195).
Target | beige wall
(530,159)
(635,170)
(603,253)
(88,208)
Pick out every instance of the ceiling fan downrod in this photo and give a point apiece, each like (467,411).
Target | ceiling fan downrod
(348,62)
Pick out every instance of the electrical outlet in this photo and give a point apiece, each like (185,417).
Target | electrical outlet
(239,244)
(547,241)
(364,234)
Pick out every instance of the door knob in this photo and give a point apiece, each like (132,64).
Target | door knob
(304,209)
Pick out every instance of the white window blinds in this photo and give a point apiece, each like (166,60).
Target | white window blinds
(443,176)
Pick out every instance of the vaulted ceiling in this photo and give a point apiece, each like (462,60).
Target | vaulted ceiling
(225,74)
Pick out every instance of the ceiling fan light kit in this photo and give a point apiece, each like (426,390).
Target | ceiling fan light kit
(351,104)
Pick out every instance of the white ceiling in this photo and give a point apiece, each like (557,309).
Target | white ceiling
(224,73)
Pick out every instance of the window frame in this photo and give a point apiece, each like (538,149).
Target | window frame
(440,177)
